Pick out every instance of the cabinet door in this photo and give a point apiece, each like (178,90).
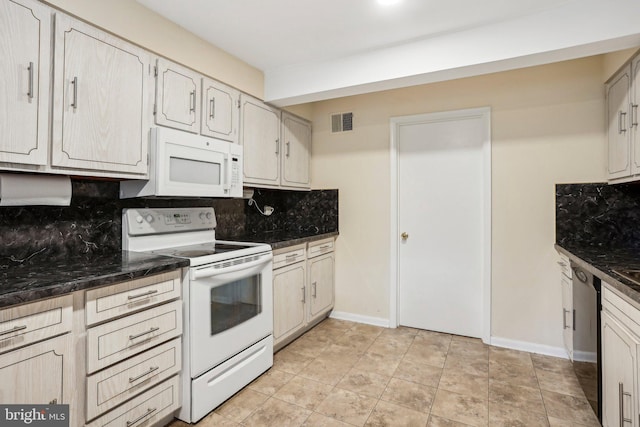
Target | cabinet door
(25,43)
(567,314)
(36,374)
(296,140)
(220,110)
(260,136)
(289,298)
(618,373)
(177,97)
(633,116)
(100,101)
(320,285)
(618,135)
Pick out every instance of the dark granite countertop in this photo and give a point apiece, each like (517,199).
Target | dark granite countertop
(31,281)
(282,239)
(600,262)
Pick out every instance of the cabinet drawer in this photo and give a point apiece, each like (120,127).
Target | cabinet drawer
(320,247)
(146,409)
(114,341)
(289,256)
(626,313)
(565,265)
(129,297)
(112,386)
(28,323)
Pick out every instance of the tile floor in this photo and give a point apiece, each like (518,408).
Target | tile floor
(349,374)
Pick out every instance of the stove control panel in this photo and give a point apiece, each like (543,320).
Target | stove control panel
(144,221)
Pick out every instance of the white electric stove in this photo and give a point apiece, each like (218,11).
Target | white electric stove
(228,301)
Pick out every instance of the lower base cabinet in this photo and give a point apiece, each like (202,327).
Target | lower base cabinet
(303,288)
(620,347)
(36,374)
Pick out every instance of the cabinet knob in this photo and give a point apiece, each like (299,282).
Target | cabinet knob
(404,235)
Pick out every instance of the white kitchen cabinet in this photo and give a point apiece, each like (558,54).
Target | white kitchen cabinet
(289,300)
(220,110)
(303,288)
(620,347)
(618,373)
(37,374)
(321,285)
(177,96)
(296,141)
(633,116)
(133,349)
(25,43)
(567,313)
(260,137)
(617,120)
(101,101)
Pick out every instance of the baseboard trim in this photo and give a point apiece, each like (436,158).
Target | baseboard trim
(546,350)
(369,320)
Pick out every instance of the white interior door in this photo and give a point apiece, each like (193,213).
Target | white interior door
(442,209)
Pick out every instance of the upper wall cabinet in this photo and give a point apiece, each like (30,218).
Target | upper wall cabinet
(276,152)
(177,96)
(101,101)
(296,141)
(260,137)
(220,110)
(25,43)
(622,97)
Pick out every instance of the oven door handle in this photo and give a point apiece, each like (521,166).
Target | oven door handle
(201,273)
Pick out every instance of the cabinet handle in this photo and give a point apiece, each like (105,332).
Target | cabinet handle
(192,101)
(621,394)
(30,93)
(564,318)
(304,295)
(562,263)
(314,289)
(291,257)
(288,148)
(212,108)
(54,402)
(144,374)
(621,115)
(146,294)
(141,417)
(74,82)
(325,246)
(277,146)
(14,329)
(152,330)
(573,320)
(634,115)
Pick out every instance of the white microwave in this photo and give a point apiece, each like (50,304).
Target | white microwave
(182,164)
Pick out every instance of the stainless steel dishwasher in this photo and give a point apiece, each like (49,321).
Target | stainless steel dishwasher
(586,335)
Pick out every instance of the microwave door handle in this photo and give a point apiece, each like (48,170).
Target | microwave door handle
(211,271)
(227,172)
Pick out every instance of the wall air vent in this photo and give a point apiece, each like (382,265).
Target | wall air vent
(341,122)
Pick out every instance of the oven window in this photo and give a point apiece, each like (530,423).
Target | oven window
(194,171)
(235,303)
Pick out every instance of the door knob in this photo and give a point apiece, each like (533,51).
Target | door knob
(404,236)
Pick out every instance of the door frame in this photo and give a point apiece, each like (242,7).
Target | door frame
(394,244)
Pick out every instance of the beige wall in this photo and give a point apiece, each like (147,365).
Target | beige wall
(136,23)
(547,128)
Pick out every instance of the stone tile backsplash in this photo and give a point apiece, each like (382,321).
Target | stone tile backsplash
(598,214)
(92,225)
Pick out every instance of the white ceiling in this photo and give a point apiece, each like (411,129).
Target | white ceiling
(312,50)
